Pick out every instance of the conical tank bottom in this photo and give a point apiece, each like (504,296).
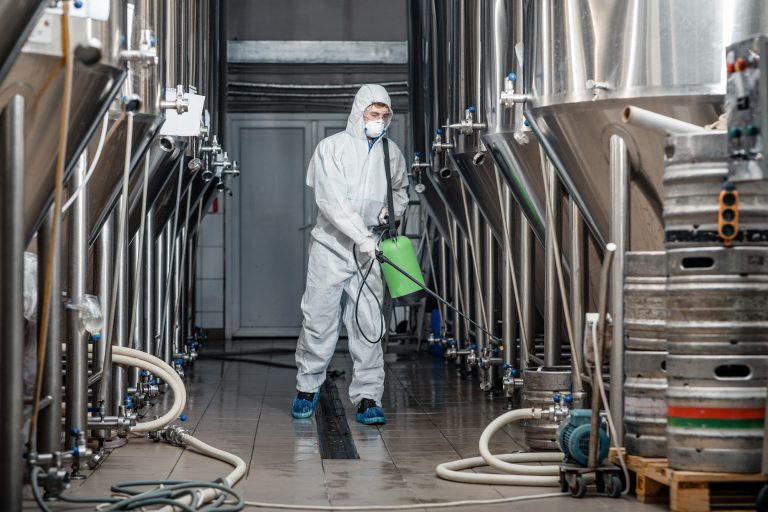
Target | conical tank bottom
(576,137)
(479,175)
(520,165)
(105,186)
(448,186)
(163,177)
(19,18)
(435,206)
(40,79)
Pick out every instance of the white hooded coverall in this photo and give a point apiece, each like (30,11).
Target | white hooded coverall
(350,188)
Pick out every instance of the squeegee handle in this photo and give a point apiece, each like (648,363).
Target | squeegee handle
(383,259)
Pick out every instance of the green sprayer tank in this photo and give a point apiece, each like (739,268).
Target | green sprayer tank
(400,251)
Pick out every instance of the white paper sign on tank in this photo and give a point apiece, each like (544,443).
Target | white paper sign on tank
(187,124)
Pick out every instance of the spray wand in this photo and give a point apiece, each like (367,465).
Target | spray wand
(383,259)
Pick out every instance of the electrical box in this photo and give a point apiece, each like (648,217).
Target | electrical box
(746,106)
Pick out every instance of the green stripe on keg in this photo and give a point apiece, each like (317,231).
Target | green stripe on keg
(715,423)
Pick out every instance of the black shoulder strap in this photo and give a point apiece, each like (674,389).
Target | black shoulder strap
(390,199)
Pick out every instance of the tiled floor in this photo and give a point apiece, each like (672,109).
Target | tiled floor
(433,416)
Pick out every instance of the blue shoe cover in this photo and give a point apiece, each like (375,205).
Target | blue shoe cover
(302,408)
(371,415)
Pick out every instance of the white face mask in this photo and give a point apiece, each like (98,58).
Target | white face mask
(374,128)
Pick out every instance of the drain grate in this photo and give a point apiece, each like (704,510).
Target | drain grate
(332,428)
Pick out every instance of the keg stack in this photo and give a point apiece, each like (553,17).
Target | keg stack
(717,303)
(645,356)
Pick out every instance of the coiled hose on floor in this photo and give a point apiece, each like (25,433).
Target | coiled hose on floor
(513,463)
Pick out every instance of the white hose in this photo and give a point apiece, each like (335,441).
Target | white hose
(415,506)
(208,494)
(658,122)
(516,469)
(453,470)
(521,474)
(131,357)
(92,168)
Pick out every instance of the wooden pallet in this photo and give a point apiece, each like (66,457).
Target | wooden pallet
(687,491)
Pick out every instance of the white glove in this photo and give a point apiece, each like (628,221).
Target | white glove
(384,216)
(368,248)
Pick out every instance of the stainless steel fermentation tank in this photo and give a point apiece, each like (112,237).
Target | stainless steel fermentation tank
(586,61)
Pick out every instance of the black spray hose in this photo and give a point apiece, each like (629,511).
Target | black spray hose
(383,259)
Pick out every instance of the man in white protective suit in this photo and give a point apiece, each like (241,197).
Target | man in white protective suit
(348,175)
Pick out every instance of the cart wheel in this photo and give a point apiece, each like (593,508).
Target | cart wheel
(762,500)
(614,486)
(563,483)
(579,487)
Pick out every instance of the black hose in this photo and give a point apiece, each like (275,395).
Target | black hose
(383,259)
(364,284)
(236,359)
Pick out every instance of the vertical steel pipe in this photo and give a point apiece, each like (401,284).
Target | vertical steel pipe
(105,263)
(442,265)
(489,283)
(552,346)
(77,341)
(171,44)
(149,284)
(161,276)
(178,293)
(577,260)
(122,318)
(479,312)
(12,302)
(620,168)
(527,296)
(135,307)
(169,295)
(508,315)
(466,285)
(49,422)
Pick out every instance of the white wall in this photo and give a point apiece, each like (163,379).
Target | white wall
(209,312)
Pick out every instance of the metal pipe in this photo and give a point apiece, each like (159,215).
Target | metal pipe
(120,332)
(477,240)
(527,296)
(598,355)
(168,303)
(149,283)
(105,255)
(49,428)
(159,291)
(577,260)
(12,302)
(443,276)
(620,169)
(178,290)
(77,343)
(466,283)
(170,47)
(552,346)
(508,316)
(137,336)
(490,298)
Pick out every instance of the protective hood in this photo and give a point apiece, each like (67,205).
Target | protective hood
(369,93)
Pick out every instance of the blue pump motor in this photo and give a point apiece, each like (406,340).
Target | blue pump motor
(573,437)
